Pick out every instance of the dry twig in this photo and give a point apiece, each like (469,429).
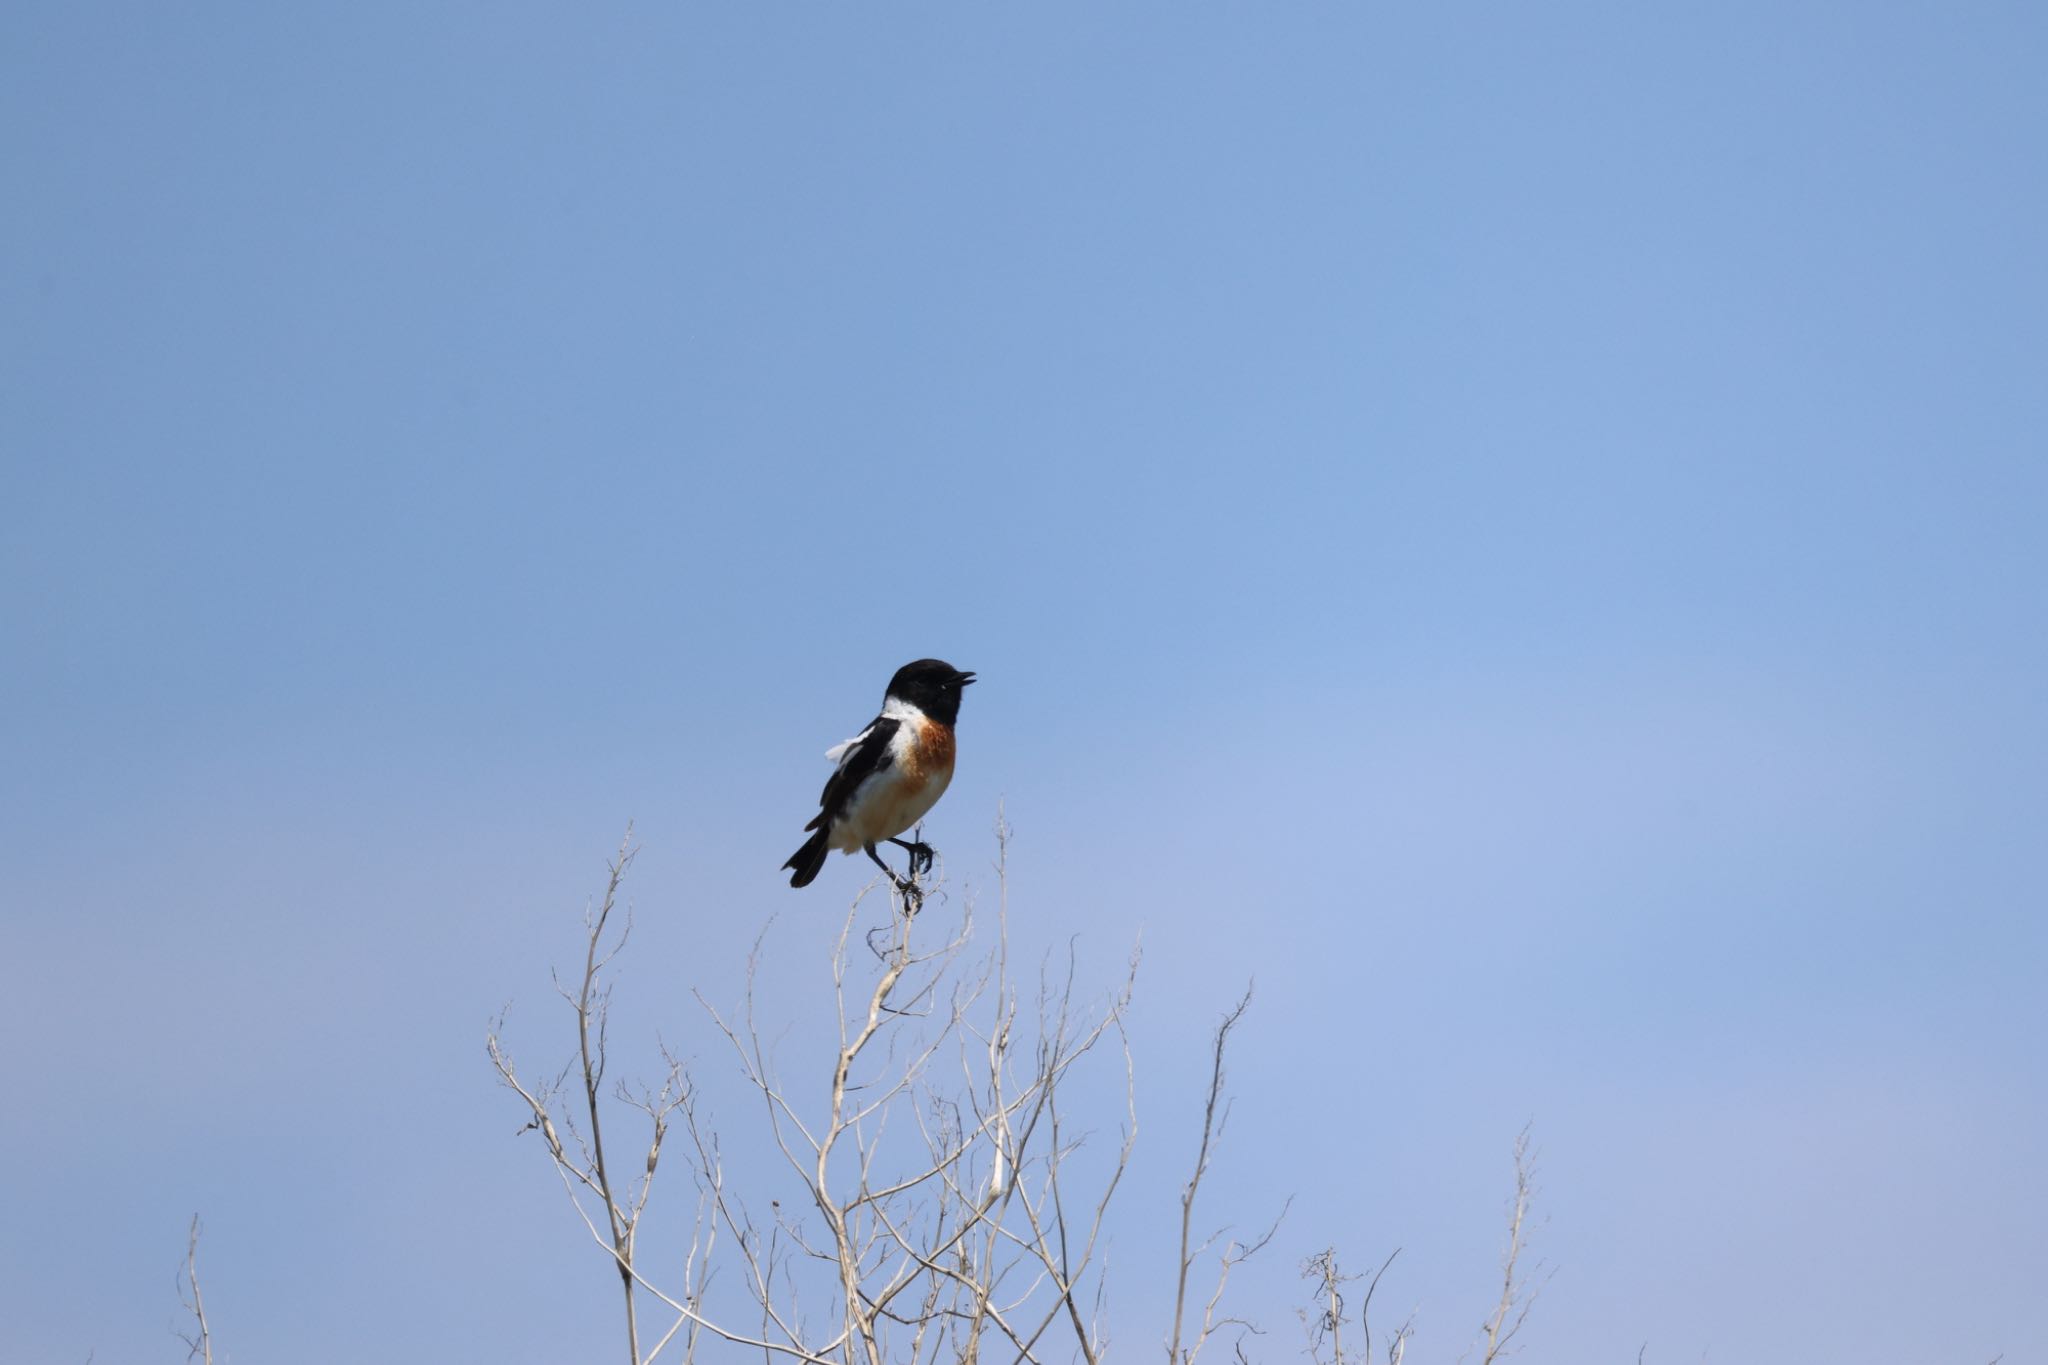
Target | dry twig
(587,1169)
(1215,1116)
(1517,1294)
(199,1341)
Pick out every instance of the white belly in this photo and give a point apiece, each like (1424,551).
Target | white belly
(885,806)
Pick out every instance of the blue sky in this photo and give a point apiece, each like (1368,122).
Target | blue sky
(1519,530)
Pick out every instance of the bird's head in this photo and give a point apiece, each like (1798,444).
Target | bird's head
(931,685)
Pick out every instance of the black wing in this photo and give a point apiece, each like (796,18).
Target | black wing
(866,754)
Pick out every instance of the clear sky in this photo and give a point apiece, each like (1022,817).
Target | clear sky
(1520,527)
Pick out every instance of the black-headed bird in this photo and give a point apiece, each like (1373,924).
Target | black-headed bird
(889,775)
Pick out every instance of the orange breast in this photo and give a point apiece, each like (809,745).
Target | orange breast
(930,756)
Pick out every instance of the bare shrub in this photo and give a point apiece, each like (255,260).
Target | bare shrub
(937,1211)
(930,1196)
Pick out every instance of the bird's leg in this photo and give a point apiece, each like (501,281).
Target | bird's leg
(906,887)
(887,870)
(921,856)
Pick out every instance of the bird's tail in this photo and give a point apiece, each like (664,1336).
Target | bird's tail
(805,862)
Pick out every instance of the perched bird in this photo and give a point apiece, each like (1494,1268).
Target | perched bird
(889,774)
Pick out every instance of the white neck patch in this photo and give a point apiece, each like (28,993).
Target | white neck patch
(895,708)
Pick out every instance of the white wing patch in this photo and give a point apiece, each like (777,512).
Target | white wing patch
(907,718)
(837,754)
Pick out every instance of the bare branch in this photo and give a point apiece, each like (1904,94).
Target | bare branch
(587,1170)
(198,1342)
(1517,1295)
(1365,1306)
(1215,1116)
(1398,1347)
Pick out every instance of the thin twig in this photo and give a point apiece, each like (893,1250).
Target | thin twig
(1517,1296)
(1214,1116)
(198,1343)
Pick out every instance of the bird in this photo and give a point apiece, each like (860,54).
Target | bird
(888,776)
